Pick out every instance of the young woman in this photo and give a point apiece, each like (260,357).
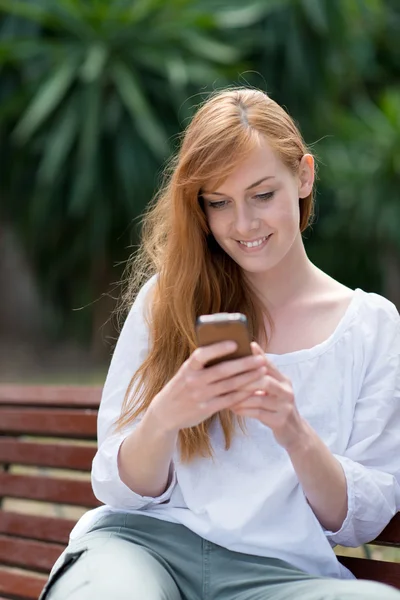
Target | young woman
(234,482)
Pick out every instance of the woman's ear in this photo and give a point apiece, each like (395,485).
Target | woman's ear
(306,175)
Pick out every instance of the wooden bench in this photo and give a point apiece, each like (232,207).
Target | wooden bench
(43,429)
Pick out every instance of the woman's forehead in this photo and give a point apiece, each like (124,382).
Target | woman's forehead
(260,164)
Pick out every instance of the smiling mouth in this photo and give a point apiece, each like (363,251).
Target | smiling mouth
(254,243)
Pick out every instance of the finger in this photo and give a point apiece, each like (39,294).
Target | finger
(266,417)
(256,349)
(267,385)
(272,370)
(261,384)
(202,355)
(225,401)
(273,387)
(250,380)
(256,402)
(232,367)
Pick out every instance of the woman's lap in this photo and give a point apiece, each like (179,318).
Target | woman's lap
(131,557)
(100,568)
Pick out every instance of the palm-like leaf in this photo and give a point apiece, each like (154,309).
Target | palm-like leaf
(102,87)
(93,93)
(365,164)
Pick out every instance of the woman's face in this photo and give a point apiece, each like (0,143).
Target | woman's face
(254,214)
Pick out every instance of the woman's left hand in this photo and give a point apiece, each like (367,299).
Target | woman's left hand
(274,405)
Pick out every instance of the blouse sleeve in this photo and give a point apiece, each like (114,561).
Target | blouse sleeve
(130,352)
(371,462)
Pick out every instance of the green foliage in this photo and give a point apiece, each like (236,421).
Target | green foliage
(336,65)
(364,163)
(96,92)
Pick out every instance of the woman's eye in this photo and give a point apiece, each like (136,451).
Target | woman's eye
(218,204)
(265,196)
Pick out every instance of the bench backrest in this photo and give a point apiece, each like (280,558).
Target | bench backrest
(378,570)
(47,444)
(52,430)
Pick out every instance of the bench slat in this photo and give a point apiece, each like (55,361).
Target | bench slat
(71,412)
(391,534)
(48,529)
(375,570)
(60,491)
(50,395)
(21,586)
(28,554)
(49,422)
(62,456)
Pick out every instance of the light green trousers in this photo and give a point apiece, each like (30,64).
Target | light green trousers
(134,557)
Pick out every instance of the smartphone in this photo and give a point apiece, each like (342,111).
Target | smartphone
(221,327)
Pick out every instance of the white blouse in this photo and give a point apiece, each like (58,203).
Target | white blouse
(248,499)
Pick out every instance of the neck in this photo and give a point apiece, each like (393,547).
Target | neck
(287,280)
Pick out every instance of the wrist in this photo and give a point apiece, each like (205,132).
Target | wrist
(157,424)
(303,441)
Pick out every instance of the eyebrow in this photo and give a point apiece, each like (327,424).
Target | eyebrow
(250,187)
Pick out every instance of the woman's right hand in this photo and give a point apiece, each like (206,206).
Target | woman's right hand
(195,392)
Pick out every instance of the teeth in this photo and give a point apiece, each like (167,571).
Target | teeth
(253,244)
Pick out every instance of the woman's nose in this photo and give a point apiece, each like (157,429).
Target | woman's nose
(245,221)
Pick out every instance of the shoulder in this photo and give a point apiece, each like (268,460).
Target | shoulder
(146,290)
(364,307)
(376,327)
(136,323)
(376,309)
(143,297)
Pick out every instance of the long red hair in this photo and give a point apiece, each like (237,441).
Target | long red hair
(195,276)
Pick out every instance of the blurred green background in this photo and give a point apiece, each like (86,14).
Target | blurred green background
(93,95)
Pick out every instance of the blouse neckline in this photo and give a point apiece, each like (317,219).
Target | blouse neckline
(308,353)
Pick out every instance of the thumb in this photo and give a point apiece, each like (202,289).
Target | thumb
(256,349)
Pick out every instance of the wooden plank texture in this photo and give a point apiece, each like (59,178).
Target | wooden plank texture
(28,554)
(34,542)
(390,536)
(62,456)
(48,395)
(36,527)
(374,570)
(60,491)
(49,422)
(21,586)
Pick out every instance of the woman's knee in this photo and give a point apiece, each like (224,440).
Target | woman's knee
(114,568)
(338,589)
(366,590)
